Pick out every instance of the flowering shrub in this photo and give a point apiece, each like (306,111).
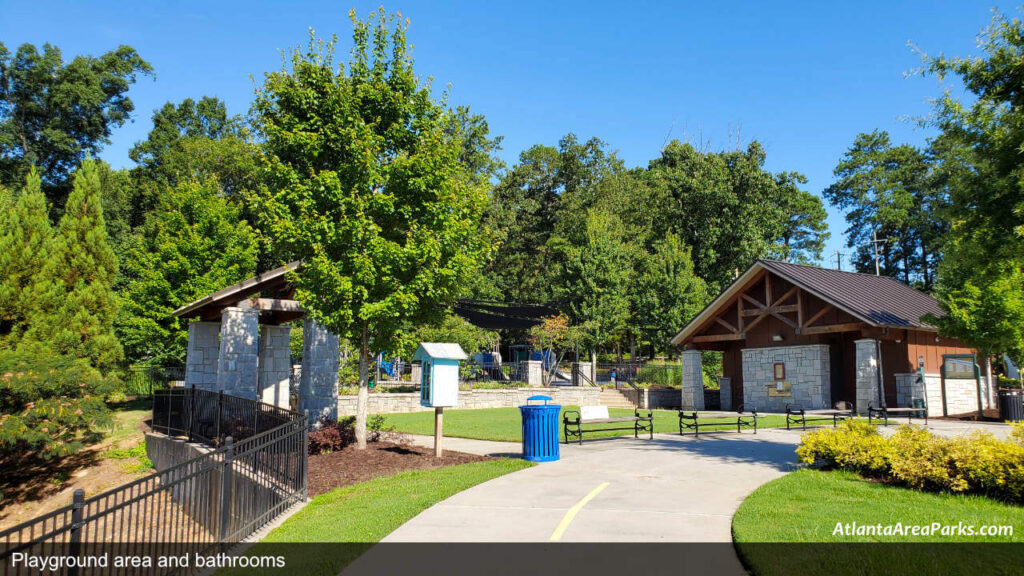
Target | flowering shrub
(913,456)
(332,435)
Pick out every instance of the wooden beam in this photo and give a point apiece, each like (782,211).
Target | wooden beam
(833,328)
(799,308)
(771,310)
(767,289)
(739,313)
(727,325)
(785,320)
(752,301)
(272,305)
(818,315)
(785,296)
(717,337)
(756,322)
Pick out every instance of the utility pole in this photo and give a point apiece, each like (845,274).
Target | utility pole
(839,260)
(874,244)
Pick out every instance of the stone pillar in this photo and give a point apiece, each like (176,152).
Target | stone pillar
(275,366)
(238,361)
(318,385)
(867,373)
(201,356)
(582,374)
(692,381)
(725,393)
(534,372)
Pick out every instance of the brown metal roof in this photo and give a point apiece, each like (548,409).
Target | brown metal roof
(879,301)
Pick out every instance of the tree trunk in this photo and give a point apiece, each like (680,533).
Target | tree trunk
(364,391)
(593,366)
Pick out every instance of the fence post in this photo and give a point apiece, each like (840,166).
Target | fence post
(304,458)
(220,408)
(75,539)
(191,411)
(225,488)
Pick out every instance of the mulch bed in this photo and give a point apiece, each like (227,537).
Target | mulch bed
(349,466)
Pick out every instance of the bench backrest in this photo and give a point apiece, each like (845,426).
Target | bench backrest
(593,412)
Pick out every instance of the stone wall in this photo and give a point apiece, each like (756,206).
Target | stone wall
(807,371)
(202,355)
(692,385)
(382,403)
(238,362)
(725,393)
(961,395)
(275,365)
(318,382)
(867,374)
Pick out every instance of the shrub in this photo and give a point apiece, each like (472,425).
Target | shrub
(51,405)
(913,456)
(332,435)
(852,446)
(1005,382)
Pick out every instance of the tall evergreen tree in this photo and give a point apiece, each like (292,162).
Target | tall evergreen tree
(26,239)
(666,293)
(77,305)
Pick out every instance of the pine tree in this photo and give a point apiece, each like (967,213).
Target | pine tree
(76,302)
(25,243)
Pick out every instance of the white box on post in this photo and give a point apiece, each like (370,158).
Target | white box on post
(439,381)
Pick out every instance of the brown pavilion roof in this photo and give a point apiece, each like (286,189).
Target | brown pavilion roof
(878,301)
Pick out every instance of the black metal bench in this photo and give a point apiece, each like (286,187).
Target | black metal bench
(693,420)
(591,415)
(795,414)
(879,411)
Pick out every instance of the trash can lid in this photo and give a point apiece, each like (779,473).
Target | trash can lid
(538,398)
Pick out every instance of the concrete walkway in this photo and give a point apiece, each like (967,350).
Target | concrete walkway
(670,489)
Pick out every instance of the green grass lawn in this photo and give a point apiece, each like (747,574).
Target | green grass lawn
(363,513)
(505,424)
(806,505)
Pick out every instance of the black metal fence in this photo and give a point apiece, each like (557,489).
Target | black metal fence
(200,505)
(210,417)
(493,372)
(143,381)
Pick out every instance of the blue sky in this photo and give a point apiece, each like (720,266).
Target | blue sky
(802,78)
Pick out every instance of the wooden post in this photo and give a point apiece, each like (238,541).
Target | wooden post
(438,430)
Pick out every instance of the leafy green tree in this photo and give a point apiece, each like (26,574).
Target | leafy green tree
(981,278)
(666,293)
(50,405)
(366,187)
(76,304)
(526,206)
(890,191)
(728,209)
(26,239)
(54,113)
(450,328)
(593,271)
(207,118)
(479,149)
(196,243)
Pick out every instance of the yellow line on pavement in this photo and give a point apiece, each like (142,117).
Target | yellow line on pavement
(557,534)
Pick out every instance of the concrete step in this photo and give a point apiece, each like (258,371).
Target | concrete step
(614,398)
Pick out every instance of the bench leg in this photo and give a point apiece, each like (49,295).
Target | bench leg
(636,429)
(787,421)
(755,423)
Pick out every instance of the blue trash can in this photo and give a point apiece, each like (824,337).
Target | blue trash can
(540,429)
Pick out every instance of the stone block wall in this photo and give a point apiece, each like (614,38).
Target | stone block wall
(725,393)
(807,371)
(318,383)
(382,403)
(202,355)
(238,361)
(275,365)
(692,385)
(867,374)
